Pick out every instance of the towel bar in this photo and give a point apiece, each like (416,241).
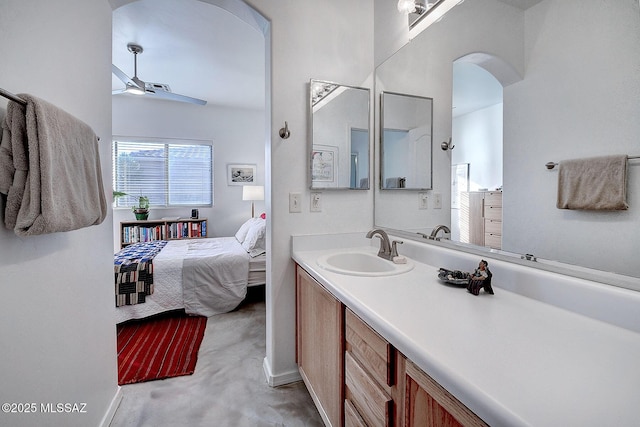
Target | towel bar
(12,97)
(551,165)
(16,98)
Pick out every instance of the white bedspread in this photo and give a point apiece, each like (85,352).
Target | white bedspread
(219,285)
(214,275)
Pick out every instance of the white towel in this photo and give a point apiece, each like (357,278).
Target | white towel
(597,183)
(61,189)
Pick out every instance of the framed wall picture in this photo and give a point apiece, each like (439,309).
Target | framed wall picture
(324,165)
(238,174)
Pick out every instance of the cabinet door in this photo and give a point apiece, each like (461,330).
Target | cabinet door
(427,404)
(319,346)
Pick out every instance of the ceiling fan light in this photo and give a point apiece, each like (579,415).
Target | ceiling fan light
(135,90)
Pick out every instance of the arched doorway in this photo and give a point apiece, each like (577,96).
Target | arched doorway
(477,124)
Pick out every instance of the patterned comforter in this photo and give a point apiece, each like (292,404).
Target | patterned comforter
(133,269)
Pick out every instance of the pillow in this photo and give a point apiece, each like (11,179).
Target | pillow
(254,242)
(241,234)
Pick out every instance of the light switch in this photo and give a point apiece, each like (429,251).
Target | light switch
(437,201)
(316,202)
(422,200)
(295,204)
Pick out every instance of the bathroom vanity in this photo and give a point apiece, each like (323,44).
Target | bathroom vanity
(406,349)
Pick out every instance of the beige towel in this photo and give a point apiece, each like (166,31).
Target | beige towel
(14,161)
(61,190)
(597,183)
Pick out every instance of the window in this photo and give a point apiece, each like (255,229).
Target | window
(176,173)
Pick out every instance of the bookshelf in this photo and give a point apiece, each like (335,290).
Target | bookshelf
(161,229)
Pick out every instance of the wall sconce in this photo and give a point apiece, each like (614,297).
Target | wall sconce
(253,192)
(416,9)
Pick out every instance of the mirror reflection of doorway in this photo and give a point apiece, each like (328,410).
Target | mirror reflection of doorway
(359,158)
(477,124)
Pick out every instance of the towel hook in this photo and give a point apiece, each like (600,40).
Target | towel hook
(284,132)
(446,145)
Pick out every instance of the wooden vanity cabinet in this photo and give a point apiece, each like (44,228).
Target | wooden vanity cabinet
(356,378)
(319,346)
(371,388)
(428,404)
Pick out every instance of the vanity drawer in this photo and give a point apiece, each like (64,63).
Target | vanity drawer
(369,348)
(351,416)
(492,226)
(369,400)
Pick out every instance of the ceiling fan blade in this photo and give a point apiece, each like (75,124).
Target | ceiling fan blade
(121,75)
(175,97)
(118,91)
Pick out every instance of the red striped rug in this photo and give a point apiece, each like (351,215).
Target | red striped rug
(158,348)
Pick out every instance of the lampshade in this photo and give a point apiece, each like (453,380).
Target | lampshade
(253,192)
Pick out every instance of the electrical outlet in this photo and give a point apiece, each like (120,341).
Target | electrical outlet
(316,202)
(295,204)
(422,200)
(437,201)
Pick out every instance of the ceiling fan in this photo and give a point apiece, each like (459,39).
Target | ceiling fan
(137,87)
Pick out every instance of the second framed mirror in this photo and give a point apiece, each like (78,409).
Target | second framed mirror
(406,142)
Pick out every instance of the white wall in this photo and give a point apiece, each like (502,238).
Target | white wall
(549,116)
(57,330)
(237,135)
(330,40)
(478,141)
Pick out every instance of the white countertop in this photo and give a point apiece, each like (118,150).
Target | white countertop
(512,360)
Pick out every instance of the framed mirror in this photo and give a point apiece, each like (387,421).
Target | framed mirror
(553,104)
(339,151)
(406,124)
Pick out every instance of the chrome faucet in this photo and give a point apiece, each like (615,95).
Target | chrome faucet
(436,230)
(387,249)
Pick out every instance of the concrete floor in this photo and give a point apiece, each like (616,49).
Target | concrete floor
(228,387)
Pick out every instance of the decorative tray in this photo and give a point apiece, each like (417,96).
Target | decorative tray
(454,277)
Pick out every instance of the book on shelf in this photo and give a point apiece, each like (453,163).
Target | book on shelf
(145,231)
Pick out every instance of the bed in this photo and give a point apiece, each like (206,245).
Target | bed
(202,276)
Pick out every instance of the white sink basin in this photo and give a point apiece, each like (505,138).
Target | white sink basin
(362,264)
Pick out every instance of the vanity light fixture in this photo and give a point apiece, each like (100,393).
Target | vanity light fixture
(416,9)
(320,89)
(410,6)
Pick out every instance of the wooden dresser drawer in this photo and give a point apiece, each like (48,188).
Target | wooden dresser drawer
(493,198)
(492,226)
(493,240)
(369,400)
(493,212)
(369,348)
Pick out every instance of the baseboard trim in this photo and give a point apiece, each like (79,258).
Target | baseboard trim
(113,407)
(282,379)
